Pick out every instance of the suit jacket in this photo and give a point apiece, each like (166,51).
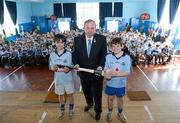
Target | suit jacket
(97,54)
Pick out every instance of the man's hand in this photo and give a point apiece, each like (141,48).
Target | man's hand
(77,66)
(99,68)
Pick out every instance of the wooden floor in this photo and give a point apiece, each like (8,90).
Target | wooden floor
(23,90)
(28,107)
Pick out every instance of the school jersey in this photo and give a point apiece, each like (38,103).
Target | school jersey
(64,59)
(123,64)
(156,51)
(148,51)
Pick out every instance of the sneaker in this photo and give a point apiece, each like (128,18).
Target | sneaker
(122,117)
(71,113)
(61,114)
(109,116)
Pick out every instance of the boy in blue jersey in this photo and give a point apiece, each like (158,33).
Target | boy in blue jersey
(118,65)
(62,76)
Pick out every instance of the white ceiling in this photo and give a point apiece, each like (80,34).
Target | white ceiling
(27,0)
(75,0)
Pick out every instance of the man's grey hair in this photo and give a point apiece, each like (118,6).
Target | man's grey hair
(88,21)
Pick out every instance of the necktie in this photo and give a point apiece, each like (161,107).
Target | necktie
(89,47)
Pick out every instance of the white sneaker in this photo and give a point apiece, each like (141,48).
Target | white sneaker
(61,114)
(109,116)
(122,117)
(71,113)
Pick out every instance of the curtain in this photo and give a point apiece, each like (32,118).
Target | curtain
(12,8)
(160,8)
(58,10)
(173,9)
(1,12)
(118,9)
(105,10)
(70,12)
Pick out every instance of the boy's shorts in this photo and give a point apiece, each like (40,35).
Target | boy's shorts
(61,89)
(111,91)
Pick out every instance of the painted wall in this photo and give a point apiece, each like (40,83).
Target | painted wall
(131,8)
(151,9)
(42,9)
(24,12)
(135,9)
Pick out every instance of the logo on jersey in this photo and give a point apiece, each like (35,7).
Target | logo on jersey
(59,59)
(123,64)
(65,61)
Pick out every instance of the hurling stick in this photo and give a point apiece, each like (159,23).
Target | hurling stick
(97,72)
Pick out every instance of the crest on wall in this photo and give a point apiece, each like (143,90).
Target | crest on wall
(145,16)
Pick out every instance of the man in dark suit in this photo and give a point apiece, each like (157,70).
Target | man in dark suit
(90,50)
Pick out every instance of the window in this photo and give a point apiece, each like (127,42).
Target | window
(112,26)
(175,28)
(64,26)
(1,29)
(8,24)
(87,11)
(165,16)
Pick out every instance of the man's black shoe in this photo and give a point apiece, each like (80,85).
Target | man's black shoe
(86,108)
(98,116)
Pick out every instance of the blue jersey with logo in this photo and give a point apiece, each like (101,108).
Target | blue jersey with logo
(123,64)
(63,59)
